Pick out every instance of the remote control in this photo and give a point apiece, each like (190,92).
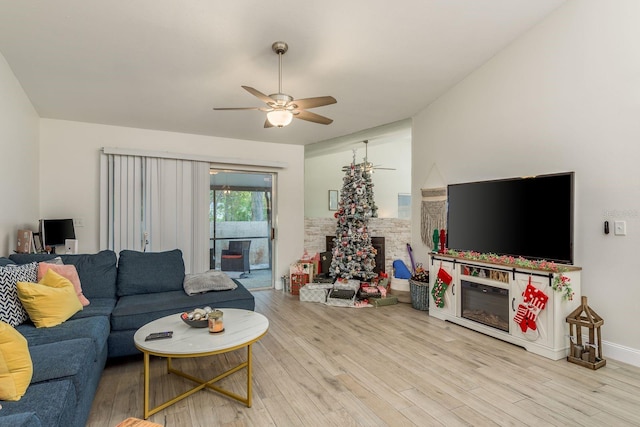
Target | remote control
(159,336)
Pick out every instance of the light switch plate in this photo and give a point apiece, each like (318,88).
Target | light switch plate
(620,228)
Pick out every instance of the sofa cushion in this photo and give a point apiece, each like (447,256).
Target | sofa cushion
(149,272)
(50,302)
(98,307)
(16,368)
(23,419)
(95,328)
(68,272)
(27,258)
(53,401)
(97,272)
(11,309)
(72,359)
(5,261)
(133,311)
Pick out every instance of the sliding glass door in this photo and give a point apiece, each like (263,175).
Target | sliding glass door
(241,225)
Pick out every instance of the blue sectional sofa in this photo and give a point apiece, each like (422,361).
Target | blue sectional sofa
(124,294)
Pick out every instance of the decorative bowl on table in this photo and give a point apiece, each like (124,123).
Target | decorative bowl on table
(197,318)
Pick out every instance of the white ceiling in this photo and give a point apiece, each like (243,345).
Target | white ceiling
(163,64)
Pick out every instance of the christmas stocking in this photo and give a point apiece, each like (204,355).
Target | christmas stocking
(535,296)
(534,301)
(521,317)
(440,287)
(532,315)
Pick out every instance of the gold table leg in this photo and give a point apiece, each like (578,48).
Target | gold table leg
(202,383)
(249,374)
(146,385)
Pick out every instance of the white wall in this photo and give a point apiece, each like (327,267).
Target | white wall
(323,172)
(564,97)
(70,160)
(18,160)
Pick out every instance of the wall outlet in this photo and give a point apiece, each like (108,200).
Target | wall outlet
(78,222)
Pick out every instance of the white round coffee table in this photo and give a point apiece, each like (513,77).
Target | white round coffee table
(242,329)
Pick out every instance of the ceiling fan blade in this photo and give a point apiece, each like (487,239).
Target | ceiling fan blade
(267,124)
(382,168)
(318,101)
(261,96)
(312,117)
(238,108)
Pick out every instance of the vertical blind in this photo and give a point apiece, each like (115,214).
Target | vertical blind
(156,204)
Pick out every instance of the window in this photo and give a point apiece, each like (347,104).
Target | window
(404,206)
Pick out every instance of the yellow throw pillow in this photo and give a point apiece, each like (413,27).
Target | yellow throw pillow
(49,302)
(16,368)
(68,272)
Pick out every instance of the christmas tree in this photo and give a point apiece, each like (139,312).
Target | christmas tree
(353,253)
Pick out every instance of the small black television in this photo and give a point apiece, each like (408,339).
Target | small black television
(54,232)
(530,217)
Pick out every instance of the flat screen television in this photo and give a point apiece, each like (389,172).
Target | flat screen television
(54,232)
(529,217)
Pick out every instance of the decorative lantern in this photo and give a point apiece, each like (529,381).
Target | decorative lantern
(587,354)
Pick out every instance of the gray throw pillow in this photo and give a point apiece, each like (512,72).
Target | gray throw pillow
(212,280)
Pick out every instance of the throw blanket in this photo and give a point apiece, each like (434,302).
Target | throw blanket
(212,280)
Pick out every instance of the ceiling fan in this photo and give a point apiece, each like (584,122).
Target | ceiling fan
(367,164)
(282,108)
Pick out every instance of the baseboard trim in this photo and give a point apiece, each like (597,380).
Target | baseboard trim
(621,353)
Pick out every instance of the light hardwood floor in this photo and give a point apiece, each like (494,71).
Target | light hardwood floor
(393,365)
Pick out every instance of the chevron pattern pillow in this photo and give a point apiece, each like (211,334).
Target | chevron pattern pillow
(11,309)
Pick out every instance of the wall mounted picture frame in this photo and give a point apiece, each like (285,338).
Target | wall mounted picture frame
(333,200)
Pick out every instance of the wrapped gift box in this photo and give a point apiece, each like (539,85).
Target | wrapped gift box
(308,293)
(366,292)
(341,297)
(350,284)
(327,286)
(314,262)
(297,282)
(379,302)
(303,268)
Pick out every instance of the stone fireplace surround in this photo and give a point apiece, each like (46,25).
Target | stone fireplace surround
(397,233)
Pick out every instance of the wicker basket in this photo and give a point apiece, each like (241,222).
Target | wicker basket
(419,295)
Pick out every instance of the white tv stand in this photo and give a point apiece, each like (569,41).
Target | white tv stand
(551,338)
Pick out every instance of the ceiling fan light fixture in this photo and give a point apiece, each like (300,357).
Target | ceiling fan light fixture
(279,118)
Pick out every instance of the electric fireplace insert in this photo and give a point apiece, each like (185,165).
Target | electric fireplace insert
(485,304)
